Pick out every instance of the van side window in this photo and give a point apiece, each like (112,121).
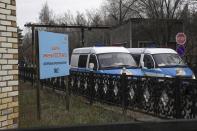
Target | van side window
(148,61)
(82,61)
(94,61)
(136,57)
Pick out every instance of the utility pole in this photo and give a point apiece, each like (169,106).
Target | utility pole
(82,37)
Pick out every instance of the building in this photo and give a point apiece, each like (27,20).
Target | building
(8,65)
(138,32)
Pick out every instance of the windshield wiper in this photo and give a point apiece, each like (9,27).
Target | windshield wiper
(130,66)
(177,65)
(120,66)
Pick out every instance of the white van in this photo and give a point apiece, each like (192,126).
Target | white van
(107,60)
(161,62)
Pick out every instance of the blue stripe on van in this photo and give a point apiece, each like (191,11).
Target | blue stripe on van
(135,72)
(171,71)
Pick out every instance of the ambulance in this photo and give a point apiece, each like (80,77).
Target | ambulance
(104,60)
(161,62)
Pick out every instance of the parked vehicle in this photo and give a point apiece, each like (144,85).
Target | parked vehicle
(106,60)
(161,62)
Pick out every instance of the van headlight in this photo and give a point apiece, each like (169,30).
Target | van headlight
(127,72)
(168,76)
(193,76)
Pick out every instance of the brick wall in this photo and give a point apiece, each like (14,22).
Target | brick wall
(8,65)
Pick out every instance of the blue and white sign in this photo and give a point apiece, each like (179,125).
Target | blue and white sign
(53,54)
(180,50)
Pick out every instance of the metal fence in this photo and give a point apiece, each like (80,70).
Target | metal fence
(162,97)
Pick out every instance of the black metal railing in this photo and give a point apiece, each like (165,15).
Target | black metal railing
(163,97)
(27,74)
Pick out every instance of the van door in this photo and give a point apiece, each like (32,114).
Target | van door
(136,57)
(93,60)
(82,63)
(149,65)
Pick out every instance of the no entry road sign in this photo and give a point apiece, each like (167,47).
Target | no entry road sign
(181,38)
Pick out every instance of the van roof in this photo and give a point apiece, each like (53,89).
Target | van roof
(100,50)
(151,50)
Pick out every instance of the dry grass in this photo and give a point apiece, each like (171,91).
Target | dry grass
(54,112)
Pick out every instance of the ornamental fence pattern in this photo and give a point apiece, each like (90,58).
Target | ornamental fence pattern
(173,98)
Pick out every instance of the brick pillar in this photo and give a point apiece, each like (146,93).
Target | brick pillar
(8,65)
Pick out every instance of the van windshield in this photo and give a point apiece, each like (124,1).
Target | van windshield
(168,59)
(109,60)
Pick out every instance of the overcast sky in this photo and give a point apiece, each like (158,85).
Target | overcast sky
(28,10)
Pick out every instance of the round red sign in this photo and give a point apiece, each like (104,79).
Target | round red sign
(181,38)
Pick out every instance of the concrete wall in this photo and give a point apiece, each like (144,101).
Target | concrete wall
(8,65)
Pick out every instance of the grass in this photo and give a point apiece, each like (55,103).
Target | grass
(53,110)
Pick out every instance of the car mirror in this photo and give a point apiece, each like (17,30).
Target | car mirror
(149,65)
(91,66)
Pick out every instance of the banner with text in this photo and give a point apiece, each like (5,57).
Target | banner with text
(53,54)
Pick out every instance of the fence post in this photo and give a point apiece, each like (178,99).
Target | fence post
(67,93)
(59,83)
(124,98)
(91,87)
(52,84)
(41,83)
(177,97)
(139,93)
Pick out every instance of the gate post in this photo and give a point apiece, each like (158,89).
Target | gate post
(177,98)
(124,91)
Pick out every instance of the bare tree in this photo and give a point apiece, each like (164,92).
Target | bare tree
(46,15)
(121,10)
(190,18)
(67,18)
(80,19)
(94,17)
(169,9)
(26,49)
